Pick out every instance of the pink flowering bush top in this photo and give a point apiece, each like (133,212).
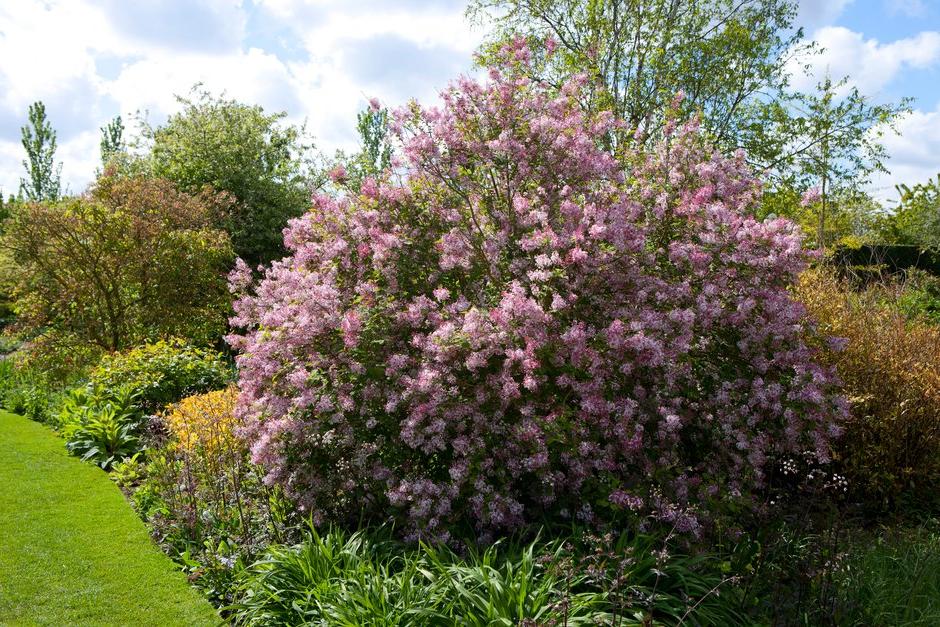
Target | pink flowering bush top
(515,327)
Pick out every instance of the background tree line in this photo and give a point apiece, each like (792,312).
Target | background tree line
(249,171)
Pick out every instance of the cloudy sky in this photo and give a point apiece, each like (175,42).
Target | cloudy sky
(320,60)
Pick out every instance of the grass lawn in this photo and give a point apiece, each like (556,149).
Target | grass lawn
(72,551)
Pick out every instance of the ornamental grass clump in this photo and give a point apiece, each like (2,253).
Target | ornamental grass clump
(514,326)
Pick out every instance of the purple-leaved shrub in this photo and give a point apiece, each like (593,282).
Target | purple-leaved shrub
(514,324)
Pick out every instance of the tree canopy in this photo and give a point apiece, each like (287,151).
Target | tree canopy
(112,139)
(43,180)
(265,165)
(131,260)
(725,56)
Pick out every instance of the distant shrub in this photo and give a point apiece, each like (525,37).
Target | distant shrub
(7,372)
(519,328)
(8,343)
(27,392)
(61,357)
(890,367)
(920,296)
(163,373)
(31,398)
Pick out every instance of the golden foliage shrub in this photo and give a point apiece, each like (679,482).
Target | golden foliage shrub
(204,423)
(202,491)
(890,367)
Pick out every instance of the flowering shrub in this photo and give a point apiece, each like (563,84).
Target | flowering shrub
(518,327)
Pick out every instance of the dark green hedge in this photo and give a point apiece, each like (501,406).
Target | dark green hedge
(870,262)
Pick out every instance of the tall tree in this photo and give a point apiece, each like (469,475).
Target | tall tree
(39,140)
(731,62)
(724,55)
(834,144)
(375,151)
(132,260)
(112,139)
(375,147)
(265,164)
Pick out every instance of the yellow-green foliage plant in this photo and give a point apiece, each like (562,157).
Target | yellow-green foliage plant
(204,497)
(204,425)
(203,461)
(890,367)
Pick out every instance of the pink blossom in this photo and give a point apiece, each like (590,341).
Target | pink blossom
(550,45)
(811,196)
(350,326)
(491,354)
(338,173)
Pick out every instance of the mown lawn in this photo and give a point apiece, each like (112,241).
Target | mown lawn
(72,551)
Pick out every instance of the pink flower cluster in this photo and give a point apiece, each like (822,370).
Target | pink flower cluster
(810,197)
(523,325)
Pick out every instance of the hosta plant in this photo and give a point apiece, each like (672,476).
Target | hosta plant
(100,427)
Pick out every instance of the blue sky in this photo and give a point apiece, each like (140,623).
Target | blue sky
(320,60)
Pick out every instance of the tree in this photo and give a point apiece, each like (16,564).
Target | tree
(726,56)
(375,149)
(520,326)
(239,149)
(727,61)
(916,221)
(112,140)
(854,217)
(834,144)
(132,260)
(39,141)
(375,152)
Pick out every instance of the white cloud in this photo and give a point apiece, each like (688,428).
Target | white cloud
(870,64)
(11,154)
(47,53)
(193,25)
(914,152)
(80,156)
(319,60)
(251,76)
(42,48)
(91,59)
(815,13)
(391,51)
